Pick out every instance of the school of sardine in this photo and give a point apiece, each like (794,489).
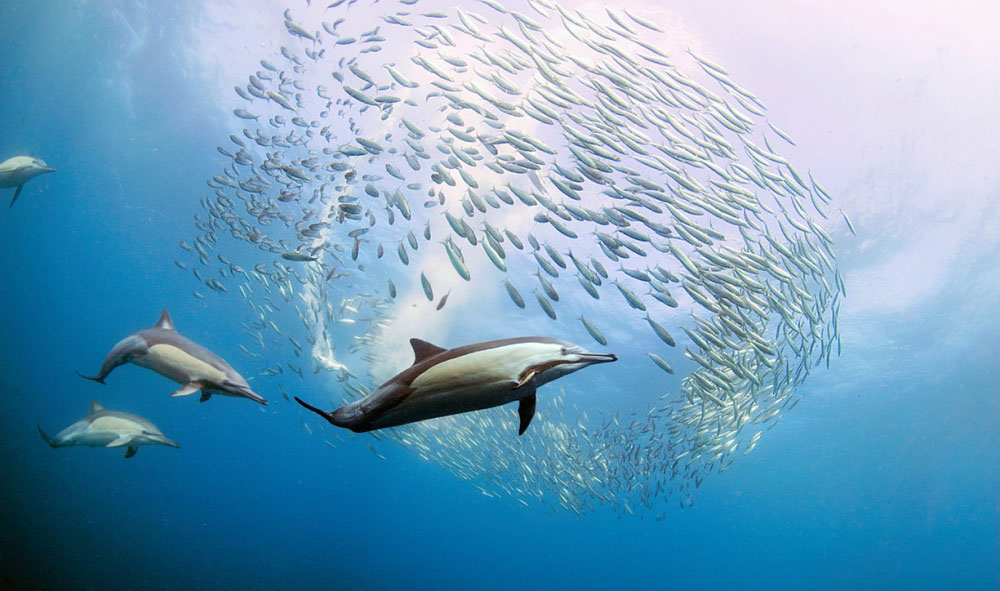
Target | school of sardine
(557,157)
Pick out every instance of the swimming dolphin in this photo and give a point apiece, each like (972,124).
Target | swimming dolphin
(444,382)
(16,171)
(109,428)
(163,350)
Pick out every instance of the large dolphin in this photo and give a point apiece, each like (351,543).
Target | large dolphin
(16,171)
(163,350)
(444,382)
(109,428)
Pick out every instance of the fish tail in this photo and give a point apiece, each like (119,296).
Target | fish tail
(98,379)
(326,415)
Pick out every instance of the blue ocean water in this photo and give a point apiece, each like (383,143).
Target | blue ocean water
(884,476)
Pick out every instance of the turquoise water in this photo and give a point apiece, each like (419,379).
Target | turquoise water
(883,476)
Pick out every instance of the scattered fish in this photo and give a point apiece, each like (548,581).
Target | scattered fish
(668,170)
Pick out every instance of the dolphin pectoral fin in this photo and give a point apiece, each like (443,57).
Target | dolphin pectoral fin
(525,378)
(98,379)
(526,411)
(131,451)
(187,389)
(122,440)
(17,192)
(205,396)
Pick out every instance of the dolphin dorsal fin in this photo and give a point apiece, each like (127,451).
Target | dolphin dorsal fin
(165,322)
(422,350)
(95,406)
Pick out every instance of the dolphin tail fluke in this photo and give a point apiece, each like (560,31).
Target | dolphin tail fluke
(97,379)
(17,192)
(47,439)
(326,415)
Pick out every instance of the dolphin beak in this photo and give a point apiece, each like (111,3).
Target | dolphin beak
(255,397)
(48,169)
(592,358)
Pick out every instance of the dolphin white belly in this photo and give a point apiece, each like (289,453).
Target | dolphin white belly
(111,423)
(476,381)
(88,435)
(179,366)
(482,369)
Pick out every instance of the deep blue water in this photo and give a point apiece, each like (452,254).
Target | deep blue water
(884,476)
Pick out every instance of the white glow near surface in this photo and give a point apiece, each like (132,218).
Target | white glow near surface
(889,102)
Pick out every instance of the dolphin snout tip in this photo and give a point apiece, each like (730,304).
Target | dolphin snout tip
(601,357)
(258,399)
